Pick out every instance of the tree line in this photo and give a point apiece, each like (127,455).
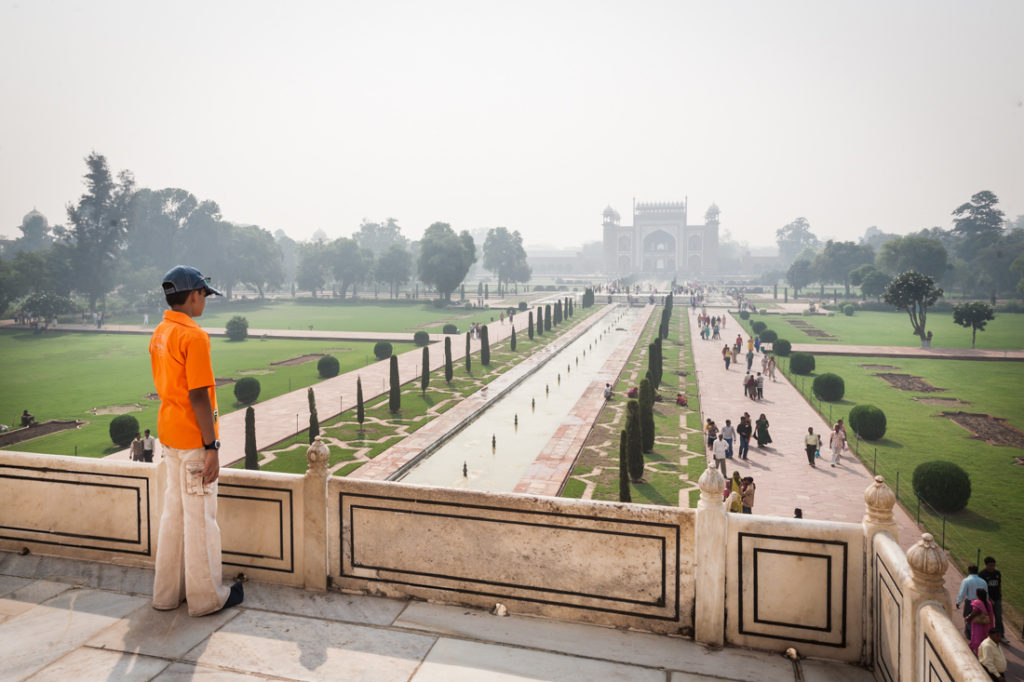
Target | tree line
(120,239)
(981,254)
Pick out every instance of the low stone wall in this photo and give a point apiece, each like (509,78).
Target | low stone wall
(795,583)
(613,564)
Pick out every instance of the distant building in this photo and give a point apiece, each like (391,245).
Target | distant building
(660,242)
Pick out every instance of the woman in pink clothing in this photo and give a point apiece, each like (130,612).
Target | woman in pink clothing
(981,618)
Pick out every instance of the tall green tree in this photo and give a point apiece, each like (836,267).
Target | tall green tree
(425,375)
(485,346)
(512,340)
(540,320)
(837,259)
(624,494)
(448,371)
(97,226)
(926,255)
(977,224)
(872,281)
(547,317)
(529,321)
(914,293)
(634,442)
(252,456)
(350,265)
(505,256)
(360,406)
(469,362)
(314,267)
(794,238)
(799,275)
(445,258)
(973,316)
(314,420)
(394,266)
(646,403)
(395,394)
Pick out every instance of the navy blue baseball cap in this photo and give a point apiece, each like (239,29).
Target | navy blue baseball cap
(187,278)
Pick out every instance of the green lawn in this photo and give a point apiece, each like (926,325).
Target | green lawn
(993,522)
(62,375)
(1006,331)
(335,315)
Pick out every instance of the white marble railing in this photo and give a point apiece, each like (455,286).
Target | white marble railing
(835,590)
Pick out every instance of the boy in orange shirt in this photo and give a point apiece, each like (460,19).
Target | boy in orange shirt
(188,553)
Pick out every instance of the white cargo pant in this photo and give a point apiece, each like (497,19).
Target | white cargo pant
(188,548)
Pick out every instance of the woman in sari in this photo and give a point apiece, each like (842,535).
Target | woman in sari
(761,434)
(981,618)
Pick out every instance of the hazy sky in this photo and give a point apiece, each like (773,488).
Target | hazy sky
(529,115)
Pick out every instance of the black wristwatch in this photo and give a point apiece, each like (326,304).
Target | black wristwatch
(215,445)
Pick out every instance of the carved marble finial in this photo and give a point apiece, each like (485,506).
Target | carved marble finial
(927,562)
(711,484)
(879,499)
(317,455)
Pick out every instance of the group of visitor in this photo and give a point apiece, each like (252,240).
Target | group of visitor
(981,594)
(720,439)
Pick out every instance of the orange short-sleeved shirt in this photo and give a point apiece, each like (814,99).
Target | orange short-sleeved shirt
(180,355)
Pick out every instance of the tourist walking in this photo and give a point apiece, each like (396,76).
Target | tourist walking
(837,443)
(148,447)
(726,355)
(812,442)
(744,430)
(750,358)
(729,434)
(760,386)
(761,434)
(136,448)
(718,450)
(771,367)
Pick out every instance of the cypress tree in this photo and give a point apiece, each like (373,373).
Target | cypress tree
(252,459)
(512,340)
(485,346)
(660,364)
(540,320)
(314,423)
(634,446)
(652,361)
(646,415)
(624,495)
(469,361)
(529,324)
(425,376)
(395,396)
(448,359)
(487,291)
(547,317)
(360,408)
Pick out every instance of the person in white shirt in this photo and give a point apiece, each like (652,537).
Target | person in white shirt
(991,657)
(148,445)
(720,448)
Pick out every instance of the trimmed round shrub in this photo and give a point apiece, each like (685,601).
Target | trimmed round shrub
(247,390)
(758,326)
(943,485)
(450,329)
(382,350)
(769,336)
(123,428)
(782,348)
(328,366)
(522,305)
(744,314)
(237,328)
(867,421)
(848,310)
(829,386)
(421,338)
(801,363)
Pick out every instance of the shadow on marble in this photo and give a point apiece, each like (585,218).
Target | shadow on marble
(186,672)
(25,595)
(352,608)
(77,572)
(94,664)
(453,660)
(311,649)
(164,634)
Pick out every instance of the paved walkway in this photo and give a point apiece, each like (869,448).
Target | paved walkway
(781,473)
(76,620)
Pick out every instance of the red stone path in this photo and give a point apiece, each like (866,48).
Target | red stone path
(783,478)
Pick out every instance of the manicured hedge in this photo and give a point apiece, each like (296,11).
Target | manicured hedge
(829,386)
(943,485)
(450,329)
(247,390)
(237,328)
(867,421)
(421,338)
(782,348)
(758,326)
(769,336)
(801,363)
(123,428)
(328,366)
(382,350)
